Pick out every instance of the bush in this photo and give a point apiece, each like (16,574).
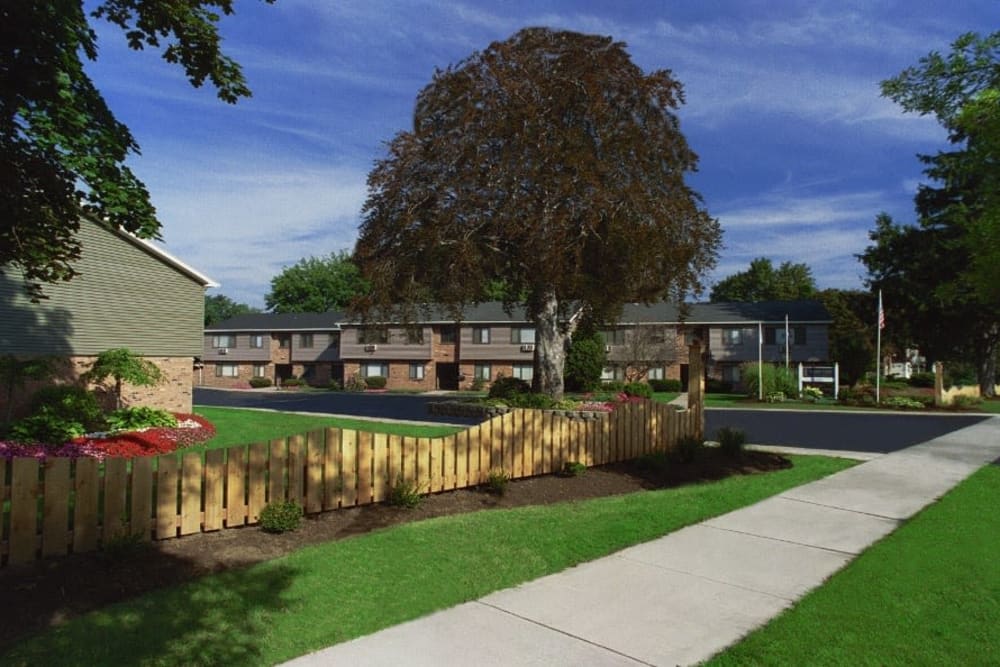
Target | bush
(573,469)
(132,419)
(965,402)
(334,385)
(259,383)
(639,389)
(292,382)
(375,382)
(812,394)
(614,386)
(497,481)
(478,384)
(776,397)
(281,517)
(585,361)
(777,379)
(731,441)
(508,387)
(902,402)
(925,380)
(960,375)
(59,413)
(859,395)
(355,383)
(531,401)
(686,450)
(716,386)
(405,494)
(45,427)
(666,385)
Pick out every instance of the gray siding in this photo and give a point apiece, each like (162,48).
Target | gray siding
(123,297)
(326,347)
(498,349)
(239,352)
(816,347)
(395,349)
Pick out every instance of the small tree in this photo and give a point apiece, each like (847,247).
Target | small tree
(585,361)
(646,347)
(123,365)
(15,373)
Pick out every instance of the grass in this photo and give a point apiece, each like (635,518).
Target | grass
(240,427)
(329,593)
(928,594)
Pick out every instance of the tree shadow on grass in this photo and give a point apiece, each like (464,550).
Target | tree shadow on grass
(219,619)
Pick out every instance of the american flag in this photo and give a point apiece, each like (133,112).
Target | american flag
(881,313)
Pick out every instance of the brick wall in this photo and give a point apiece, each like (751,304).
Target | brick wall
(399,375)
(206,376)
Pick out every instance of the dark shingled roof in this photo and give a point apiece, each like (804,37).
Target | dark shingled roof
(493,312)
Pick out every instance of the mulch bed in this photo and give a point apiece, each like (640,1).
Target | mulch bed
(51,591)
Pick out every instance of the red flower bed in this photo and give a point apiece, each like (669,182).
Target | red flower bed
(191,430)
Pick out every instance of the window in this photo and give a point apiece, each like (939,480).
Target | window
(416,371)
(654,374)
(259,370)
(283,342)
(374,368)
(613,336)
(524,372)
(731,374)
(522,336)
(305,341)
(373,335)
(732,336)
(448,335)
(414,335)
(776,335)
(224,340)
(227,370)
(256,341)
(611,373)
(481,335)
(482,372)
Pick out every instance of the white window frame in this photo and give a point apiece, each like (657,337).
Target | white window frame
(612,373)
(655,373)
(481,335)
(368,366)
(257,341)
(417,372)
(482,371)
(260,370)
(524,372)
(522,335)
(221,370)
(223,341)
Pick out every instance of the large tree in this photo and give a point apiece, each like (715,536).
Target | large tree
(219,307)
(316,285)
(762,282)
(852,333)
(940,271)
(63,151)
(552,162)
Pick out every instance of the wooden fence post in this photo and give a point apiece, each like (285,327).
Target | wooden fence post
(696,389)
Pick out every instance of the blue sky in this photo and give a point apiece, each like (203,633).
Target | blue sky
(798,152)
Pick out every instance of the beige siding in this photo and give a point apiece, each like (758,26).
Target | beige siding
(123,297)
(239,352)
(498,349)
(395,349)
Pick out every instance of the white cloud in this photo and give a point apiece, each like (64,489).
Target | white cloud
(784,210)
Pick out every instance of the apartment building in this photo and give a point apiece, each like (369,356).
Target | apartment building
(647,342)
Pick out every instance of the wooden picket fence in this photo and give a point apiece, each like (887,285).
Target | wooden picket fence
(57,506)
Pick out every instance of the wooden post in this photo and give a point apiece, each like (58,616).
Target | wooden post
(696,388)
(939,384)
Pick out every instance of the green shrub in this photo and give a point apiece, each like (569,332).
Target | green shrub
(614,386)
(59,413)
(260,383)
(131,419)
(292,382)
(497,481)
(859,395)
(281,517)
(903,402)
(666,385)
(45,427)
(531,401)
(775,397)
(585,361)
(405,494)
(965,402)
(776,379)
(812,394)
(639,389)
(686,449)
(334,385)
(960,374)
(573,469)
(478,384)
(508,387)
(731,441)
(375,382)
(715,386)
(355,383)
(925,380)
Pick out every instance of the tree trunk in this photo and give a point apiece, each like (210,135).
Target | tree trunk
(986,368)
(550,347)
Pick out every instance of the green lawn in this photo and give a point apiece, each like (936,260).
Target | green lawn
(333,592)
(241,427)
(929,594)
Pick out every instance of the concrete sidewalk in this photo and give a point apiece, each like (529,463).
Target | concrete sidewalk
(681,598)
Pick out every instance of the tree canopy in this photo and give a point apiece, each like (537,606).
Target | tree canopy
(551,162)
(940,274)
(63,151)
(316,285)
(219,307)
(762,282)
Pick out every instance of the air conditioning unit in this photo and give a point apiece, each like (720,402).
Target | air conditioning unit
(528,347)
(223,350)
(371,348)
(607,348)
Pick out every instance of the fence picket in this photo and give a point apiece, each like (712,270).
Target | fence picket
(276,471)
(423,464)
(113,524)
(166,496)
(191,490)
(23,510)
(141,523)
(239,478)
(410,459)
(332,482)
(395,473)
(380,464)
(364,468)
(349,469)
(316,448)
(436,454)
(450,446)
(215,476)
(55,510)
(296,469)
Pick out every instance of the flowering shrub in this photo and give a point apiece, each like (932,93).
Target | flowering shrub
(191,430)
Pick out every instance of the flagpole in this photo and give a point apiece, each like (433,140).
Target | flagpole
(760,361)
(878,346)
(786,341)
